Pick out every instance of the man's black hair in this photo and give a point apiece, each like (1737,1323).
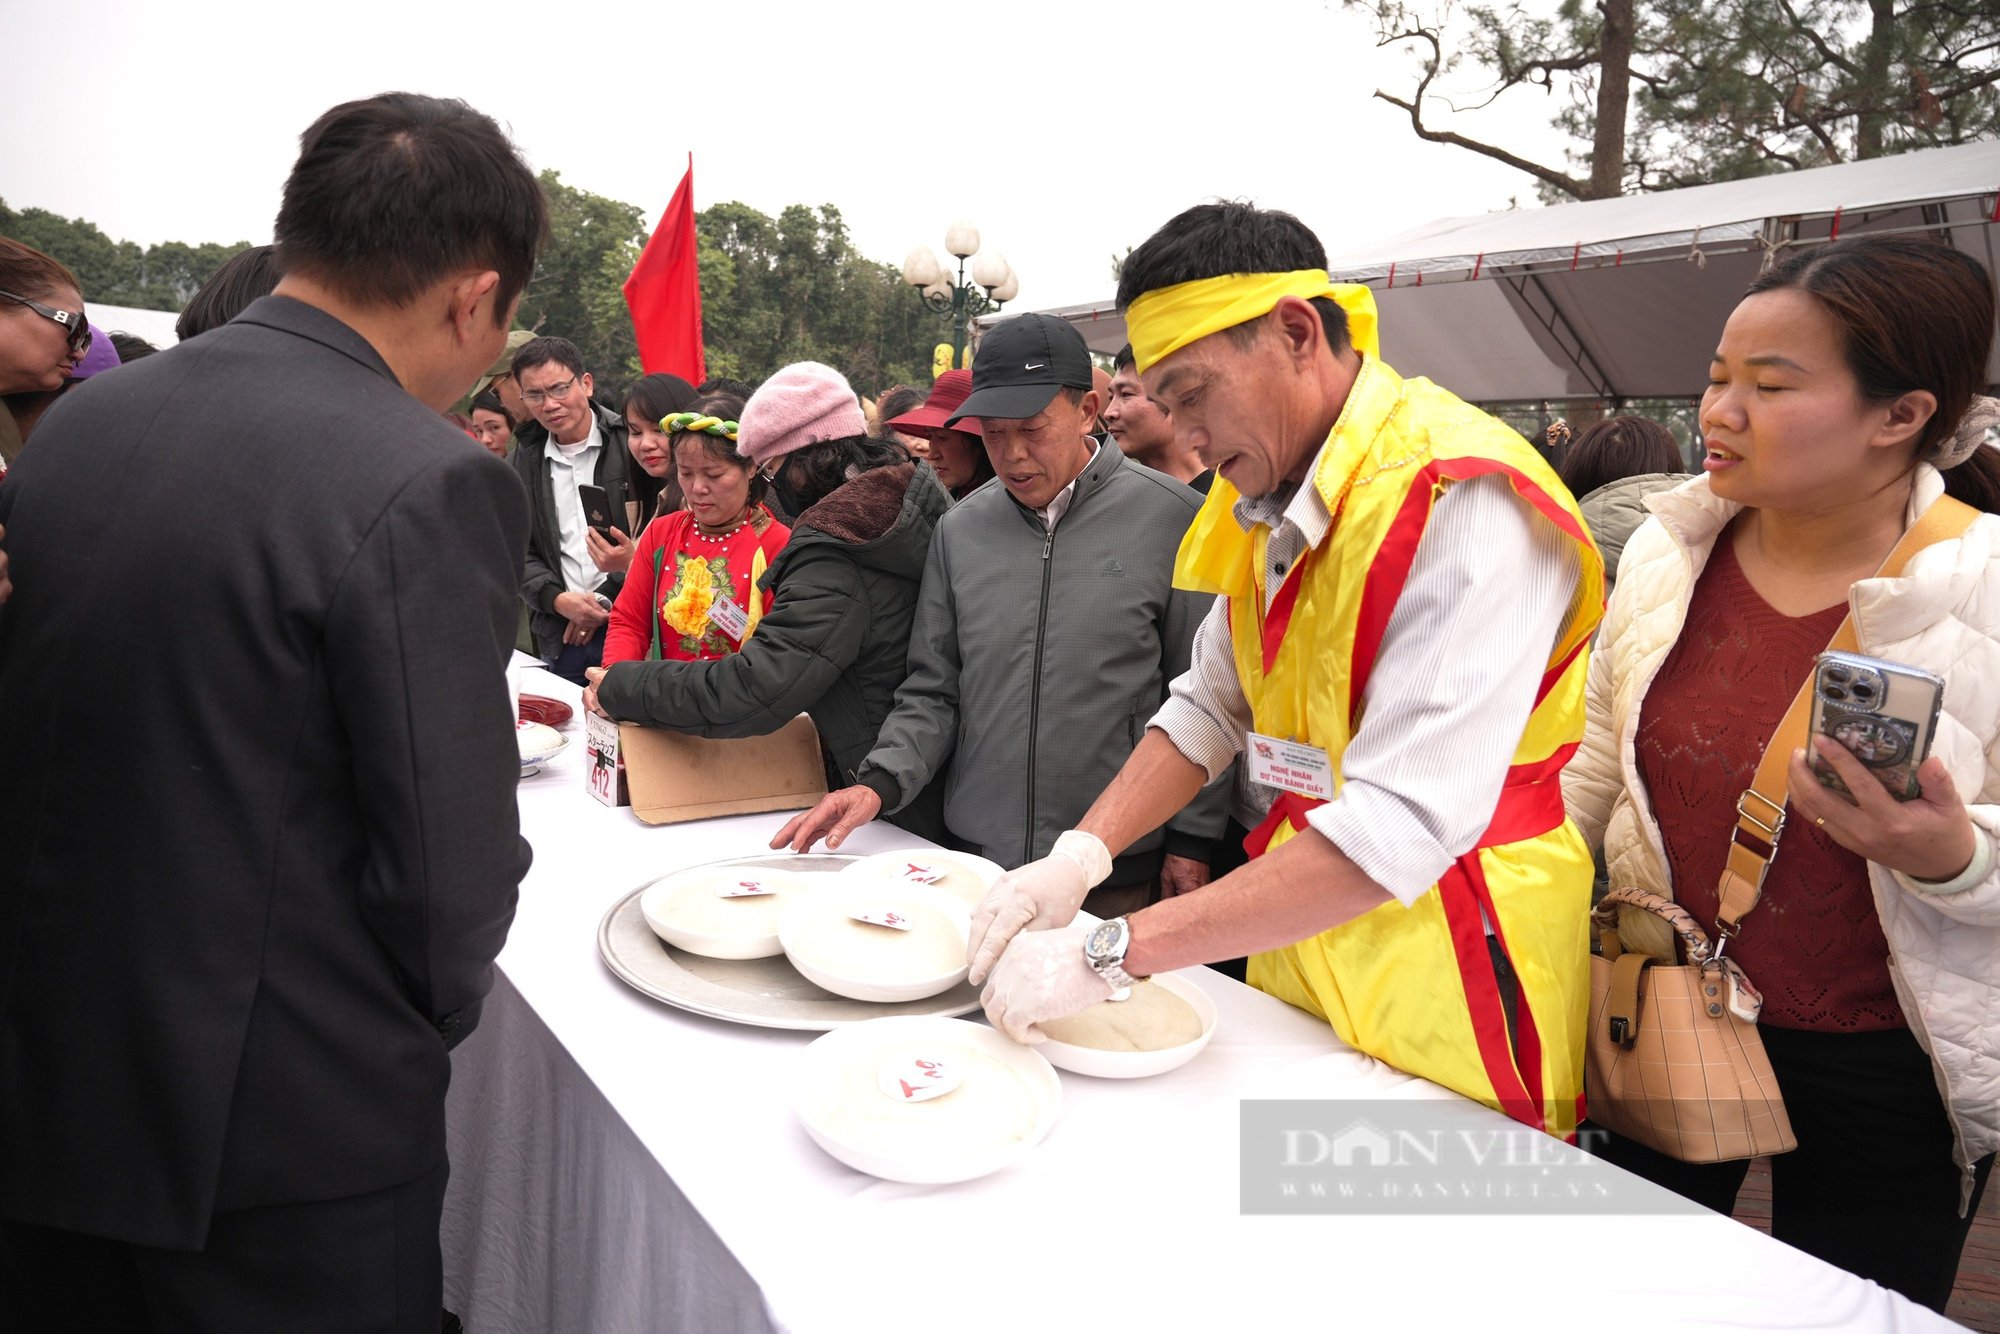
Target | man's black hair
(1210,240)
(393,193)
(1124,361)
(541,351)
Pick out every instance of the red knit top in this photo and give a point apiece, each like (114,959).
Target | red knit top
(1814,945)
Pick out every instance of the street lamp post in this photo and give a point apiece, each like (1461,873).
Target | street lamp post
(951,296)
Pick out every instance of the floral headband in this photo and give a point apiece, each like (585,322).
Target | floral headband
(691,422)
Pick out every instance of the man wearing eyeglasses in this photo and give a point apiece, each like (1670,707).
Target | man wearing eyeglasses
(572,574)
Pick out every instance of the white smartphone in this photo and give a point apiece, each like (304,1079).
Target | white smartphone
(1883,712)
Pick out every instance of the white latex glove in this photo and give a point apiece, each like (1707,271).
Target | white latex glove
(1042,894)
(1042,975)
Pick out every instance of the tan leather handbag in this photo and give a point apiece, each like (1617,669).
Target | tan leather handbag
(1672,1057)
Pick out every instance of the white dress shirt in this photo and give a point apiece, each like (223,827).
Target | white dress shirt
(1453,683)
(571,466)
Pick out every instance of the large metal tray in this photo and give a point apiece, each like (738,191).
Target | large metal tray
(768,993)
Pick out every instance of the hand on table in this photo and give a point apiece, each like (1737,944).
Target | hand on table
(838,814)
(585,617)
(613,554)
(1043,893)
(1929,838)
(595,676)
(1042,975)
(1181,875)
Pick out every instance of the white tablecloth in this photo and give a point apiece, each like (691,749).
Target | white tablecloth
(620,1165)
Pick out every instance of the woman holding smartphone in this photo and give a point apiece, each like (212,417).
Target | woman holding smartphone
(1842,403)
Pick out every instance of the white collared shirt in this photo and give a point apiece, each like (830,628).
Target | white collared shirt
(571,466)
(1051,513)
(1453,683)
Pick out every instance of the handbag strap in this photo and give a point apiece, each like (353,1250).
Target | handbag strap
(1760,811)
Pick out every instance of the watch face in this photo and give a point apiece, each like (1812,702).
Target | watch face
(1101,939)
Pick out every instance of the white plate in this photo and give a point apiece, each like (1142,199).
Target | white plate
(745,928)
(898,865)
(810,922)
(933,1142)
(765,993)
(535,755)
(1138,1064)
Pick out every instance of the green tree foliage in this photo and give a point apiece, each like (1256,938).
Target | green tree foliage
(794,288)
(118,273)
(577,288)
(1658,94)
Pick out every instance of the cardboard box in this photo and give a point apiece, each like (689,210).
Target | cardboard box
(604,771)
(672,777)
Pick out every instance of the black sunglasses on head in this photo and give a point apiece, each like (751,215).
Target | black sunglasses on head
(72,320)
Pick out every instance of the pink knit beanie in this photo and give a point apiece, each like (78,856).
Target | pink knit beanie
(802,403)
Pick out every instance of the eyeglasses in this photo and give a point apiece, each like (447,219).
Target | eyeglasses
(73,321)
(534,398)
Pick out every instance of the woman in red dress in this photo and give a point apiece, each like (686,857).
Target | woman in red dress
(691,593)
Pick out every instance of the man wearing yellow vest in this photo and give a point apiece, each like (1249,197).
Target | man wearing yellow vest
(1398,651)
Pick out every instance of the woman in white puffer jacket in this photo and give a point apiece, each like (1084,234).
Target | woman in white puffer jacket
(1842,403)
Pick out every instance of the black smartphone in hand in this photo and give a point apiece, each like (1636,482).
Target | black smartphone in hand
(596,509)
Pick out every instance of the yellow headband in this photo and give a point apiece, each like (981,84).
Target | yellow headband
(1167,319)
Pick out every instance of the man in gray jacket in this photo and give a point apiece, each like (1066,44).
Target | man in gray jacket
(1046,634)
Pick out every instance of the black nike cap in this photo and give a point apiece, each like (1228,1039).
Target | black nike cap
(1020,365)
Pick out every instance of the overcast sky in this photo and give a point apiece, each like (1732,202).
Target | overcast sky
(1067,130)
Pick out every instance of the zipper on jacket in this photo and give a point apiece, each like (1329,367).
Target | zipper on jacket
(1035,697)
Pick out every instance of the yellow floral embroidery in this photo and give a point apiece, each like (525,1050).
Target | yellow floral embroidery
(686,609)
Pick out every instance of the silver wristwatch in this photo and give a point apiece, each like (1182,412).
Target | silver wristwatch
(1104,950)
(603,602)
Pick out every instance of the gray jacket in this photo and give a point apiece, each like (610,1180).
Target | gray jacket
(1037,659)
(1614,511)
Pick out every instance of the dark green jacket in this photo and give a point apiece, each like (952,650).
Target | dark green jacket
(834,644)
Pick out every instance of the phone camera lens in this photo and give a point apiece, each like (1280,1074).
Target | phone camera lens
(1863,691)
(1835,693)
(1836,672)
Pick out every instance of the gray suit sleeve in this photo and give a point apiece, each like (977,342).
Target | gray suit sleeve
(418,635)
(918,736)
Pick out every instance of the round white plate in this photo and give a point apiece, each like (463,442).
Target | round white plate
(914,863)
(1138,1064)
(1003,1088)
(765,993)
(745,928)
(815,928)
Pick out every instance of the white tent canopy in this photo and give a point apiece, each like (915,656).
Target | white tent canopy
(1623,298)
(155,326)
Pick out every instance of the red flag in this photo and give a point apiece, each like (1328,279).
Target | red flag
(664,292)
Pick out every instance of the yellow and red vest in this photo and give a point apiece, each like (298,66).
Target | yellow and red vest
(1415,986)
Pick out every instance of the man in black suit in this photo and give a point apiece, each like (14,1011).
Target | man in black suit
(258,844)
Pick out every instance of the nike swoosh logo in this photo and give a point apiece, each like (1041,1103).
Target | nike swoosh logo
(1035,365)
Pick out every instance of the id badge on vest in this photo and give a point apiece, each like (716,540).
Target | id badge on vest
(1290,766)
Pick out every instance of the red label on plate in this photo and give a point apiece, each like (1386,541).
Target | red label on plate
(743,889)
(921,873)
(917,1079)
(883,917)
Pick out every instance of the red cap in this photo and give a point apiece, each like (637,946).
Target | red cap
(952,388)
